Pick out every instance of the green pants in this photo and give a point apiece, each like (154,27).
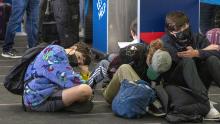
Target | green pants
(125,71)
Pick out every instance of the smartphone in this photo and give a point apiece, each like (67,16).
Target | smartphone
(180,49)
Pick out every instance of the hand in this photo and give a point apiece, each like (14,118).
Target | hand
(189,53)
(84,68)
(212,47)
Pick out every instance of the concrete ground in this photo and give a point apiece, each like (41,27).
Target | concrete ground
(11,111)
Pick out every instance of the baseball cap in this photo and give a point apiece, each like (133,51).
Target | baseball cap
(161,62)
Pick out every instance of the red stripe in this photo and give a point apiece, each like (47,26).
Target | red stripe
(147,37)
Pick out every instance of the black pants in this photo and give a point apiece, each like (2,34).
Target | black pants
(185,74)
(209,70)
(66,14)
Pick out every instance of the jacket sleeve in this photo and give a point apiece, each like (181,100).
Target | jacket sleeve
(58,70)
(201,43)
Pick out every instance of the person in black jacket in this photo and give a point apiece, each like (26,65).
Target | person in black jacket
(196,62)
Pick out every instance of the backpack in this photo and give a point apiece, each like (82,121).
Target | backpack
(133,54)
(213,36)
(14,80)
(181,105)
(132,99)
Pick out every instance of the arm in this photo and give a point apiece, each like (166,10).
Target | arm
(57,68)
(202,49)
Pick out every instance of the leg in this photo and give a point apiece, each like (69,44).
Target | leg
(185,74)
(52,104)
(125,71)
(204,74)
(18,8)
(62,99)
(32,22)
(193,80)
(213,64)
(43,6)
(80,93)
(63,19)
(99,74)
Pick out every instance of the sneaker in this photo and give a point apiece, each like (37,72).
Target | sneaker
(10,54)
(80,108)
(213,114)
(158,112)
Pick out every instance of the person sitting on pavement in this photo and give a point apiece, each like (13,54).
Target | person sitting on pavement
(196,63)
(54,85)
(137,70)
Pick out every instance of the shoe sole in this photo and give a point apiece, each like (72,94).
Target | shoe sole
(13,57)
(211,119)
(157,115)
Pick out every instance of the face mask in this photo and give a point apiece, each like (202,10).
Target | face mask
(73,60)
(184,37)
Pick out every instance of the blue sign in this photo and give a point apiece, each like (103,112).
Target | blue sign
(100,25)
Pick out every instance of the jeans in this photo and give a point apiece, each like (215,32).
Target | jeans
(18,10)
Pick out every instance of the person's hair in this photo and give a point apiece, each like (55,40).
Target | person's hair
(175,20)
(85,50)
(154,46)
(133,26)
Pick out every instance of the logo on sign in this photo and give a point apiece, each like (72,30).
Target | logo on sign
(101,8)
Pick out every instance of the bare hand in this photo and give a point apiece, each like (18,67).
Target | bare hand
(189,53)
(212,47)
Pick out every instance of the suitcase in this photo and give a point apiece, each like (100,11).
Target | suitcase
(5,11)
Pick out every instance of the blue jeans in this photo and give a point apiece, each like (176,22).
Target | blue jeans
(18,10)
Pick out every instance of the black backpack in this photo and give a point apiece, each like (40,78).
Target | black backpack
(181,105)
(14,80)
(133,54)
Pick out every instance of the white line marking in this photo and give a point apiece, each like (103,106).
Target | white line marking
(99,101)
(214,94)
(11,104)
(6,66)
(6,60)
(93,114)
(14,104)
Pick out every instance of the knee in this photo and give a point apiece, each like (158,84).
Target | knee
(104,63)
(85,91)
(212,59)
(124,67)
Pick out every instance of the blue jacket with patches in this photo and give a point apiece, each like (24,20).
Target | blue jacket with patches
(51,72)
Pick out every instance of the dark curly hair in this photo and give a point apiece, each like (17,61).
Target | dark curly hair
(85,50)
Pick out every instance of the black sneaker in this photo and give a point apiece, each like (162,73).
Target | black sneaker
(10,54)
(158,112)
(80,108)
